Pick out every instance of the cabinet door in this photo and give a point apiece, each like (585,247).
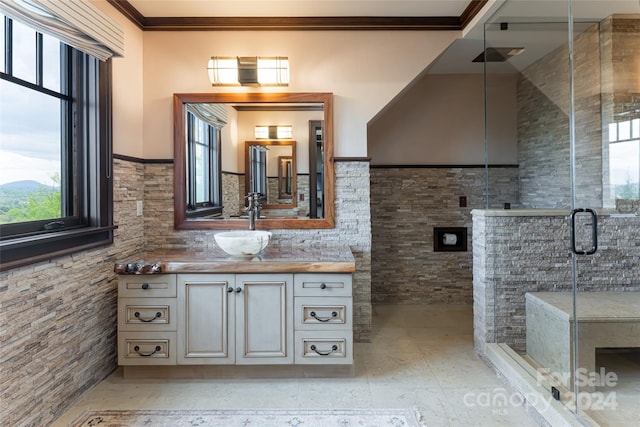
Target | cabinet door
(264,319)
(206,334)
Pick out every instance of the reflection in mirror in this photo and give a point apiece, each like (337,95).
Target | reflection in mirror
(262,162)
(217,160)
(285,180)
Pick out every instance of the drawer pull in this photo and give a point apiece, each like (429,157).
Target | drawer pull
(157,316)
(137,350)
(333,315)
(333,348)
(145,286)
(323,286)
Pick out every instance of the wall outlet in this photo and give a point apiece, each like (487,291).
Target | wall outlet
(139,208)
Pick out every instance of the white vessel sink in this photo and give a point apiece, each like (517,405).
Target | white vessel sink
(243,243)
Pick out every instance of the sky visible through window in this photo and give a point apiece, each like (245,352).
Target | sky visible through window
(624,158)
(30,142)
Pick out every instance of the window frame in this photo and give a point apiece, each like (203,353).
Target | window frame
(614,139)
(86,141)
(213,205)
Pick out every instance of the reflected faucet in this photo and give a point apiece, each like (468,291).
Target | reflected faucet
(253,209)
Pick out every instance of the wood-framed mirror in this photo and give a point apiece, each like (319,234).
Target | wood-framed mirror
(210,131)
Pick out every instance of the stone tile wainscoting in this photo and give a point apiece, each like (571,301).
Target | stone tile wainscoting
(59,317)
(520,252)
(406,204)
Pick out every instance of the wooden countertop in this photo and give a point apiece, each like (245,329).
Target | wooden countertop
(271,260)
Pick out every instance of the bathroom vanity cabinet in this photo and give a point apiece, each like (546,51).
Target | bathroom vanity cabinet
(241,319)
(220,311)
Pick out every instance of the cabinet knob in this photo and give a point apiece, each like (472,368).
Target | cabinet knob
(230,289)
(145,286)
(323,286)
(238,289)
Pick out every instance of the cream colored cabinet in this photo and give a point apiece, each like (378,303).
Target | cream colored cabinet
(206,332)
(241,319)
(235,319)
(323,319)
(147,320)
(264,319)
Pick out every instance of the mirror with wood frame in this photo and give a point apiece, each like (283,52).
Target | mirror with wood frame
(211,163)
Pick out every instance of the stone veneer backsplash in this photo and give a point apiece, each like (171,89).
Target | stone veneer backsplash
(58,318)
(514,255)
(406,204)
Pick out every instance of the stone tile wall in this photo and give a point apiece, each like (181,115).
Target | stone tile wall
(406,204)
(530,254)
(543,127)
(232,187)
(58,318)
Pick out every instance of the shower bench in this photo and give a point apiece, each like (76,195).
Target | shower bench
(605,320)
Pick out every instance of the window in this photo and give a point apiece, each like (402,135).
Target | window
(624,159)
(204,186)
(258,172)
(55,145)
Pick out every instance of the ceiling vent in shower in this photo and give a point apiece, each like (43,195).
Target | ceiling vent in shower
(498,54)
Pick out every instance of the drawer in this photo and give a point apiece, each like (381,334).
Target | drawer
(322,313)
(147,314)
(147,348)
(144,286)
(324,348)
(313,285)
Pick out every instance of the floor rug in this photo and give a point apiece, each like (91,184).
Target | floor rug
(251,418)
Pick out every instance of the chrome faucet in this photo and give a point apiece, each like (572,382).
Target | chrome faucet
(253,209)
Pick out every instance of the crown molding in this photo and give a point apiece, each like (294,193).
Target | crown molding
(324,23)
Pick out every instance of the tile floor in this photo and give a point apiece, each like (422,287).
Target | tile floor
(420,356)
(619,404)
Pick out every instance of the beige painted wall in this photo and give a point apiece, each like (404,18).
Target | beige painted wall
(440,121)
(364,70)
(127,88)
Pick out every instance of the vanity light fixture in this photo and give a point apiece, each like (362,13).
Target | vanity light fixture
(274,132)
(249,71)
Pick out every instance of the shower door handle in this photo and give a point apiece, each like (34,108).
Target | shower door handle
(594,231)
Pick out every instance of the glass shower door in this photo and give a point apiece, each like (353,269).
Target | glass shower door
(565,214)
(605,170)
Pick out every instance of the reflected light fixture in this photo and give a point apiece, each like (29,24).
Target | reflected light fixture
(249,71)
(274,132)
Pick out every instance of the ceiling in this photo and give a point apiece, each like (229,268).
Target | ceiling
(291,8)
(524,18)
(300,14)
